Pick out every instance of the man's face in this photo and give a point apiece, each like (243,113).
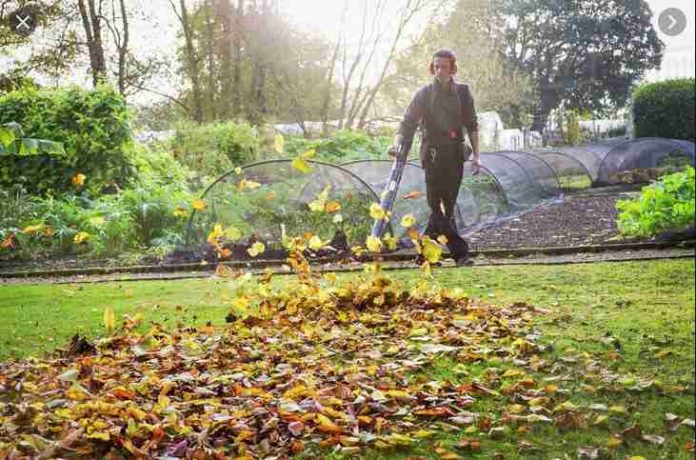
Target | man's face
(443,68)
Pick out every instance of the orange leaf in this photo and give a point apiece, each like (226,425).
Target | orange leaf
(411,195)
(122,393)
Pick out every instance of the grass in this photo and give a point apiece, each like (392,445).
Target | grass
(643,310)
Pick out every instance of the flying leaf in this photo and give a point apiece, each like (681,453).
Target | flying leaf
(279,143)
(412,195)
(333,206)
(256,249)
(199,205)
(376,212)
(81,237)
(431,250)
(78,180)
(373,244)
(301,165)
(408,221)
(315,243)
(109,319)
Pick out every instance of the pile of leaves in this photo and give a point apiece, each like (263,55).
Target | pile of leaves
(315,367)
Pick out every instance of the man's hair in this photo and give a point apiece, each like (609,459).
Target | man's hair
(446,54)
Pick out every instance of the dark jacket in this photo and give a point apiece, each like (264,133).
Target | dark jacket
(442,113)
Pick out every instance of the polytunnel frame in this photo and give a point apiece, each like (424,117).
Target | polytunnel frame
(189,224)
(526,173)
(483,168)
(675,142)
(527,154)
(541,153)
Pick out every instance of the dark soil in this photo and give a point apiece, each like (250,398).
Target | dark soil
(576,221)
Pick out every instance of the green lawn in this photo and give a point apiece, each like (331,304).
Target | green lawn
(642,310)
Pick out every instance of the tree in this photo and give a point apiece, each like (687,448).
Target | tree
(586,54)
(472,29)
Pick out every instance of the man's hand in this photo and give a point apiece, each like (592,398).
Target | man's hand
(396,146)
(475,164)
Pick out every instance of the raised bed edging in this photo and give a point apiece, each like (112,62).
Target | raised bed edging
(491,253)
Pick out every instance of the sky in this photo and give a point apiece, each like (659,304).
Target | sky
(155,33)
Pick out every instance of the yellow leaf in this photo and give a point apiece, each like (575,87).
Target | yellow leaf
(319,203)
(324,424)
(617,410)
(408,221)
(315,243)
(180,211)
(109,319)
(298,391)
(373,244)
(614,442)
(256,249)
(32,229)
(431,250)
(233,233)
(309,154)
(337,219)
(199,205)
(101,435)
(81,237)
(301,165)
(376,211)
(77,393)
(390,241)
(215,234)
(442,239)
(246,184)
(279,143)
(78,180)
(333,206)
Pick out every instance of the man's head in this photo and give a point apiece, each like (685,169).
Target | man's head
(444,64)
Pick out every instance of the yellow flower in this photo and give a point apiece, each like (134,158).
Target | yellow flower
(81,237)
(78,180)
(199,205)
(180,211)
(215,234)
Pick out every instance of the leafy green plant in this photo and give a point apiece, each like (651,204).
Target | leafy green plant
(215,148)
(341,146)
(92,126)
(667,204)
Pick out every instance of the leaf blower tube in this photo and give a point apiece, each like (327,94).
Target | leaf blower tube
(400,151)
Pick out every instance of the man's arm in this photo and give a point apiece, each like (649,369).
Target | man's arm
(407,128)
(471,123)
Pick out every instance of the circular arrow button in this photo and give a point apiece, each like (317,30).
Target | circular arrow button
(672,21)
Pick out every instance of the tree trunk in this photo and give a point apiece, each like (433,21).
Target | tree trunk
(213,111)
(192,61)
(123,50)
(237,67)
(92,25)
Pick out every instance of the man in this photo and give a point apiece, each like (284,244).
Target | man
(443,108)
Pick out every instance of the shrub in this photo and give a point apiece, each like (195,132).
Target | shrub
(665,109)
(91,125)
(215,148)
(668,204)
(341,146)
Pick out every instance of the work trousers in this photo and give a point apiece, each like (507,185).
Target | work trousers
(444,169)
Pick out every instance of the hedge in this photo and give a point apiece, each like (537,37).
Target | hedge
(92,126)
(665,109)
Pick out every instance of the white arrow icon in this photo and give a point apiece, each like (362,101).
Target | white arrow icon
(673,22)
